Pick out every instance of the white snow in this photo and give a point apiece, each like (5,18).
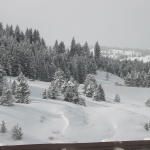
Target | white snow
(52,121)
(125,54)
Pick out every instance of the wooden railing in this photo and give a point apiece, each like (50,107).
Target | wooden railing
(124,145)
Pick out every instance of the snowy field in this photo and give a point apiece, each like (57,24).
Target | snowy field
(52,121)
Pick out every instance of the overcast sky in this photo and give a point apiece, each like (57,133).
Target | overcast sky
(122,23)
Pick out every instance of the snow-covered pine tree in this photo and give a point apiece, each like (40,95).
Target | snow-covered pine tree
(117,98)
(59,79)
(90,84)
(22,90)
(7,98)
(71,92)
(44,95)
(99,94)
(13,87)
(89,91)
(21,76)
(17,132)
(91,65)
(52,90)
(3,128)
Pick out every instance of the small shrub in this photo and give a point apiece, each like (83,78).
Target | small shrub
(117,98)
(3,128)
(17,132)
(147,126)
(44,95)
(147,103)
(81,101)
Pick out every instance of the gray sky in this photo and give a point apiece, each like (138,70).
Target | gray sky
(123,23)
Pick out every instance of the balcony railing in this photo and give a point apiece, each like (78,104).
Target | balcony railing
(124,145)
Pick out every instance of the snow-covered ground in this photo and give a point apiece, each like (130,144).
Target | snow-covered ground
(51,121)
(125,54)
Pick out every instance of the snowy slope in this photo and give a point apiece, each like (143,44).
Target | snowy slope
(125,54)
(51,121)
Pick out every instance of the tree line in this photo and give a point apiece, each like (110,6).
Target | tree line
(28,53)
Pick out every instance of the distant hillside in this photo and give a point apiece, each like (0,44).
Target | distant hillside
(125,53)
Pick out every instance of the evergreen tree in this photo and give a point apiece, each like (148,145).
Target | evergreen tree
(91,65)
(56,46)
(3,128)
(17,133)
(44,95)
(52,90)
(73,47)
(71,92)
(81,69)
(85,50)
(89,91)
(99,94)
(59,79)
(6,98)
(90,83)
(97,53)
(17,33)
(117,98)
(61,47)
(22,91)
(13,87)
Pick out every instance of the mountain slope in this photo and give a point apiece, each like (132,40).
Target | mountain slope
(50,121)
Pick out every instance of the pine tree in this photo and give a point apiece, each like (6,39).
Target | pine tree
(44,95)
(90,83)
(99,94)
(117,98)
(73,48)
(81,69)
(89,91)
(91,65)
(52,90)
(61,47)
(56,46)
(3,128)
(22,90)
(71,92)
(17,133)
(59,79)
(85,49)
(7,98)
(97,53)
(13,87)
